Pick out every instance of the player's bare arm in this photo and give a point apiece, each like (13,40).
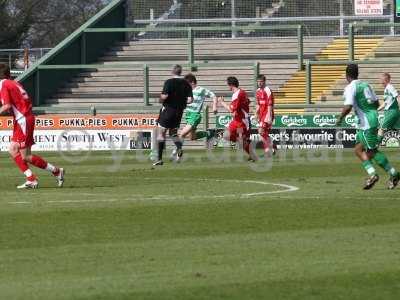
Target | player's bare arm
(257,113)
(215,104)
(221,101)
(268,121)
(381,106)
(345,111)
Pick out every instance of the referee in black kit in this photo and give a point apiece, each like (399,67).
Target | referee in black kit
(176,94)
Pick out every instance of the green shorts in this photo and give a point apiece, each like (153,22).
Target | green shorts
(193,119)
(368,138)
(391,118)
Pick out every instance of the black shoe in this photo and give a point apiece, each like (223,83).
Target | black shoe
(158,163)
(370,182)
(179,155)
(393,181)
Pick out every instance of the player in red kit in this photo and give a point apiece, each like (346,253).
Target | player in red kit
(239,107)
(16,101)
(265,113)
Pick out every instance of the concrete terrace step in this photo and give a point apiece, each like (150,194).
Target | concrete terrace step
(122,86)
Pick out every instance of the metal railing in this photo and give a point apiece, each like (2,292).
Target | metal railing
(309,65)
(146,68)
(22,58)
(190,35)
(307,22)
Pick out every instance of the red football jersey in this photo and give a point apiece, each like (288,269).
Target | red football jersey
(265,99)
(12,92)
(240,106)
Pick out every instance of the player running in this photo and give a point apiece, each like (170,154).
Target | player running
(239,128)
(16,101)
(265,113)
(193,110)
(390,105)
(360,96)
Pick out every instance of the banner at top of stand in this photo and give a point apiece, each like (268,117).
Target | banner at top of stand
(128,121)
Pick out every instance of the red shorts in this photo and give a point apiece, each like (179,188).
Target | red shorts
(23,132)
(236,129)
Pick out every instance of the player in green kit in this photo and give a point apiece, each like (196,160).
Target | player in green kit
(193,113)
(360,96)
(390,105)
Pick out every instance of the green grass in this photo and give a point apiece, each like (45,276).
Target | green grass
(190,231)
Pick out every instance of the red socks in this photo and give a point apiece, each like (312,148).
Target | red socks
(39,162)
(23,166)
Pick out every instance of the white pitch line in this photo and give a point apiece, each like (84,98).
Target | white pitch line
(287,189)
(82,201)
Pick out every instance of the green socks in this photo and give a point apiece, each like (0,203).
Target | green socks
(383,162)
(205,134)
(369,168)
(201,134)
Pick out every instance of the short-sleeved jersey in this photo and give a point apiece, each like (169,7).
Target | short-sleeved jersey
(265,102)
(390,97)
(12,92)
(199,96)
(178,91)
(361,96)
(240,106)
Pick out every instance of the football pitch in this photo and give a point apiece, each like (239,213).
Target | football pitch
(203,229)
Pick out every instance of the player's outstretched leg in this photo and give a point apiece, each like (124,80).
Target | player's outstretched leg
(40,163)
(382,161)
(208,134)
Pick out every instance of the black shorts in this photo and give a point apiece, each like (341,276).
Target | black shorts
(170,118)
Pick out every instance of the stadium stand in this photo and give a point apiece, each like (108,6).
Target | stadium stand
(388,48)
(114,86)
(325,77)
(117,84)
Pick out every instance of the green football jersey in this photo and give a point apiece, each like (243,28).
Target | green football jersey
(361,96)
(199,96)
(390,98)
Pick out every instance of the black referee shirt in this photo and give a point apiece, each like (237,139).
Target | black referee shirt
(178,90)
